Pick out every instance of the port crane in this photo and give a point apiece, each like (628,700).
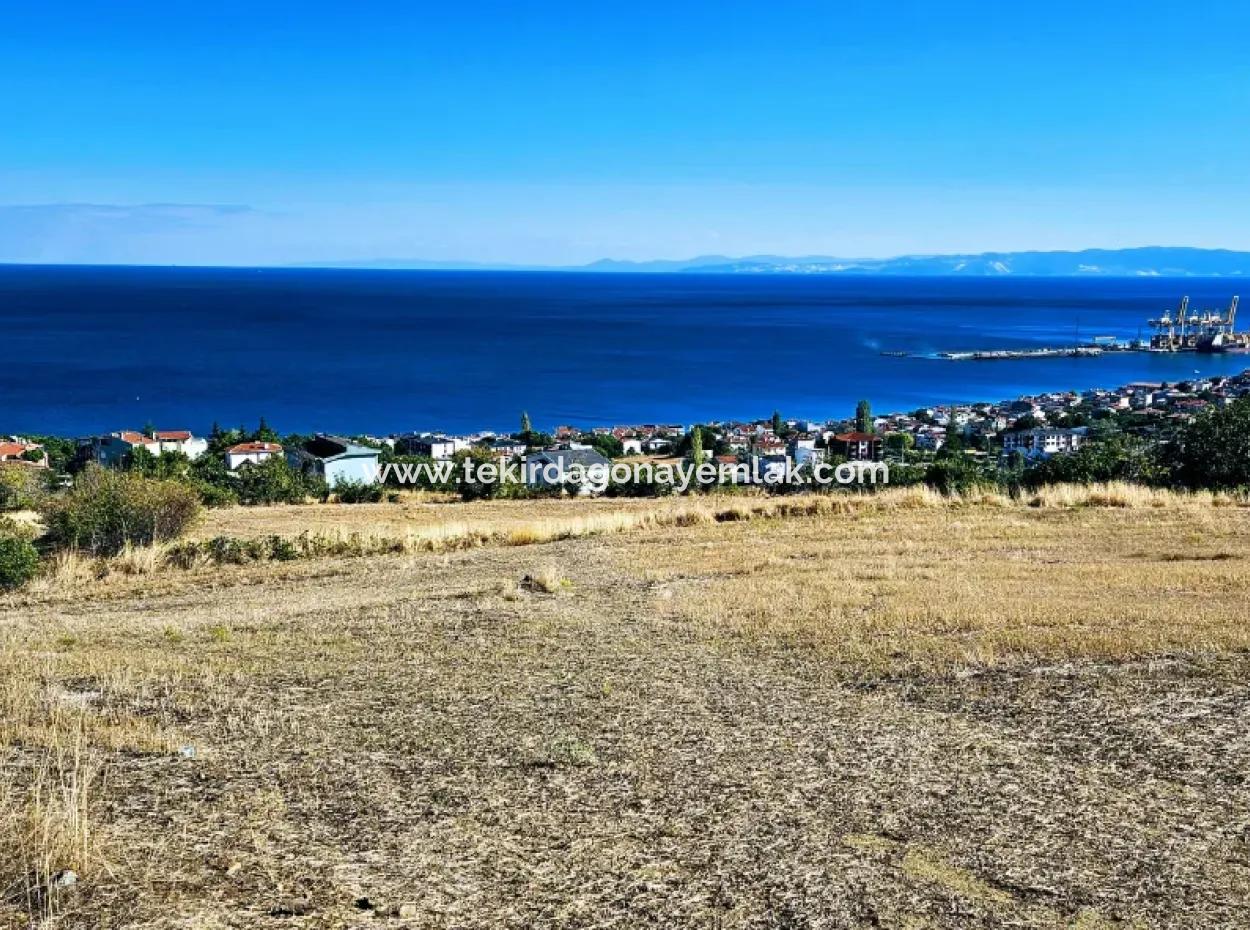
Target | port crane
(1209,331)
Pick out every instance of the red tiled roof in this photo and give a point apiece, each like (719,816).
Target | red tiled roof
(135,439)
(14,448)
(244,447)
(173,434)
(857,437)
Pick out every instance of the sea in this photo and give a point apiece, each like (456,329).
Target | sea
(88,349)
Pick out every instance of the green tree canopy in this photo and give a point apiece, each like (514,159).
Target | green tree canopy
(863,417)
(1214,450)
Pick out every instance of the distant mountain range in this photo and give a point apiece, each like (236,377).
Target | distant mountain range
(1149,261)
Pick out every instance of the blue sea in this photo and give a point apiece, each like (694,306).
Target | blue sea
(89,349)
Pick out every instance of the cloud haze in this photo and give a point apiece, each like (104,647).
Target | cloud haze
(112,233)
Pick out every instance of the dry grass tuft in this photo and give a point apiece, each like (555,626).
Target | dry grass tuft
(546,580)
(48,841)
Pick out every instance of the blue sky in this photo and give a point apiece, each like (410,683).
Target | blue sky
(564,132)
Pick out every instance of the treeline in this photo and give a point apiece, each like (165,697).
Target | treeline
(1211,452)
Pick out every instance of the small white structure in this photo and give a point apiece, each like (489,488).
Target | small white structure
(631,446)
(253,452)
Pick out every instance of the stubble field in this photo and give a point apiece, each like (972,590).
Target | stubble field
(915,714)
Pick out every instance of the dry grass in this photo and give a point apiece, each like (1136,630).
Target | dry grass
(419,525)
(942,588)
(47,822)
(900,710)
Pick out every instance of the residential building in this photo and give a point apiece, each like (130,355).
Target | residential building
(804,452)
(507,448)
(558,468)
(1043,442)
(856,447)
(179,440)
(430,445)
(114,450)
(22,452)
(336,459)
(253,452)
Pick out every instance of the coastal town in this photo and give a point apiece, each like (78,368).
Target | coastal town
(1025,430)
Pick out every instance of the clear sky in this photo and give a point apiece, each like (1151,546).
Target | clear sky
(258,133)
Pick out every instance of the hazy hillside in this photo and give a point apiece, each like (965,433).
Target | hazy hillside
(1162,261)
(1143,261)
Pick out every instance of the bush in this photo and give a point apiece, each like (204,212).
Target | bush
(21,487)
(105,510)
(19,560)
(270,482)
(214,495)
(358,492)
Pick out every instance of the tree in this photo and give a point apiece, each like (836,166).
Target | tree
(526,426)
(899,443)
(1214,450)
(20,487)
(1114,458)
(778,424)
(863,417)
(604,443)
(954,438)
(696,446)
(270,482)
(264,433)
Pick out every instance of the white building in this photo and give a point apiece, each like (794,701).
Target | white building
(179,440)
(1042,442)
(254,452)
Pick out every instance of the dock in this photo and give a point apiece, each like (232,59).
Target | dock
(1179,331)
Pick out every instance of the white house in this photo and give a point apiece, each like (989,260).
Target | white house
(432,446)
(1044,442)
(804,451)
(657,445)
(254,452)
(115,448)
(507,448)
(179,440)
(631,446)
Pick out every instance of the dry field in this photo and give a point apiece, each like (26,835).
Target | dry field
(907,713)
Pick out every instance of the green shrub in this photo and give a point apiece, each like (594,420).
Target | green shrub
(21,487)
(357,492)
(19,560)
(106,509)
(270,482)
(214,495)
(282,550)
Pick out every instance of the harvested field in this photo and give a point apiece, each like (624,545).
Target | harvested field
(987,714)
